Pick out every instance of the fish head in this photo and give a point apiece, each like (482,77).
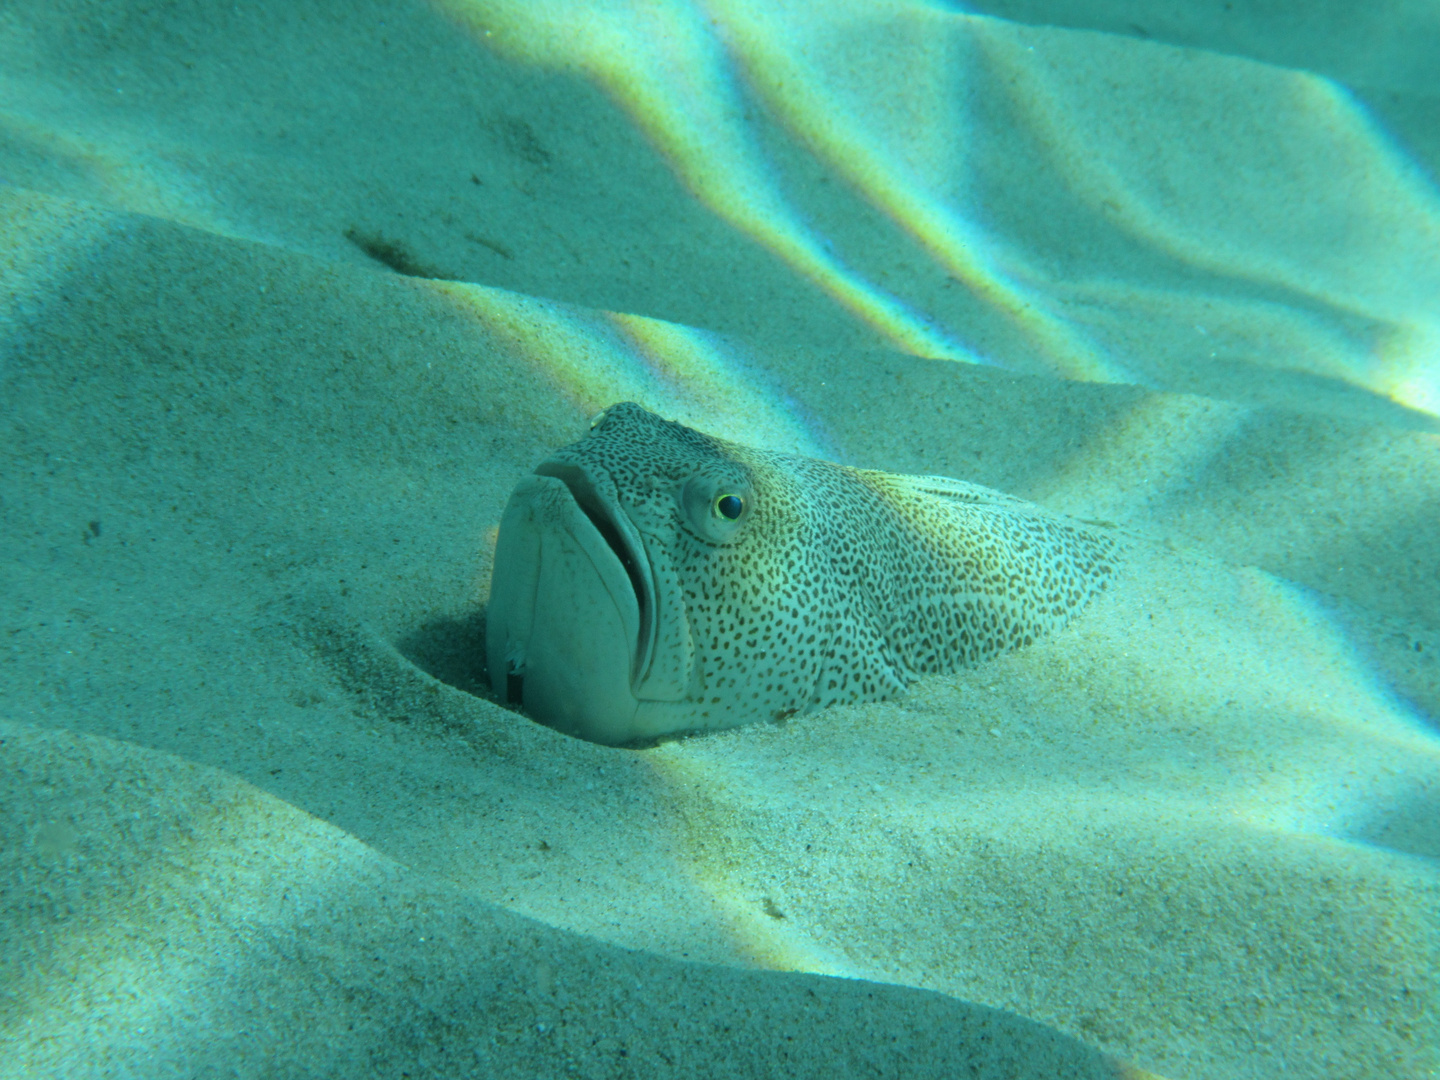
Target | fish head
(603,554)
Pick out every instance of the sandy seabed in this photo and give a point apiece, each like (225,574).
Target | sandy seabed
(292,294)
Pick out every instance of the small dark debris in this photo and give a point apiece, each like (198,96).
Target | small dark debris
(771,910)
(92,532)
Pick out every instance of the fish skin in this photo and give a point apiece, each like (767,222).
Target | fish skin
(834,585)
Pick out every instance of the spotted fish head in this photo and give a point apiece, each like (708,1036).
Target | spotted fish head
(652,579)
(613,562)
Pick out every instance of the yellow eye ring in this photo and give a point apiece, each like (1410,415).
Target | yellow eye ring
(728,506)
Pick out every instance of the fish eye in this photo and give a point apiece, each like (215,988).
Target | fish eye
(729,506)
(595,420)
(716,507)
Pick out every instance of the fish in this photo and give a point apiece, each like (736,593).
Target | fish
(651,580)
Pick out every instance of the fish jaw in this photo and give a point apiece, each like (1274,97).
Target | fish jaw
(594,496)
(563,620)
(663,667)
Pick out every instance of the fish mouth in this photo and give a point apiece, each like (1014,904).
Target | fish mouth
(622,538)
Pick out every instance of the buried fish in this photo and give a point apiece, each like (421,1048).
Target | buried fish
(651,579)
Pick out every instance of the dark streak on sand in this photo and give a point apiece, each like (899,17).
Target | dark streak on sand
(393,254)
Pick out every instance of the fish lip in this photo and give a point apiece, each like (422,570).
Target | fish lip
(621,536)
